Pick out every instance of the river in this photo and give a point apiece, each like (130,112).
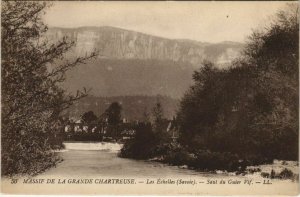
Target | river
(101,159)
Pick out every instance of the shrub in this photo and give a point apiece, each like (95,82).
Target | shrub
(207,160)
(253,170)
(142,145)
(254,160)
(286,174)
(265,174)
(178,156)
(272,174)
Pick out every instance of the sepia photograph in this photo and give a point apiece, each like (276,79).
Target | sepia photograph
(150,97)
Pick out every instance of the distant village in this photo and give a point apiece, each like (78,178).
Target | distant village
(109,126)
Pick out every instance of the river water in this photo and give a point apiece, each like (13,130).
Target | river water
(101,159)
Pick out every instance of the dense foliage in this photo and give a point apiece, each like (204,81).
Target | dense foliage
(147,143)
(151,139)
(252,108)
(113,114)
(141,146)
(243,115)
(89,117)
(31,97)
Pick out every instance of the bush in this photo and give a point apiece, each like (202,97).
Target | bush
(253,170)
(142,145)
(286,174)
(207,160)
(177,155)
(265,174)
(254,160)
(272,174)
(147,143)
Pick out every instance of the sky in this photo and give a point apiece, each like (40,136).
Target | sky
(201,21)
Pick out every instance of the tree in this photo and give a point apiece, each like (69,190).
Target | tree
(200,106)
(250,109)
(32,99)
(145,117)
(157,113)
(142,145)
(274,53)
(89,117)
(113,113)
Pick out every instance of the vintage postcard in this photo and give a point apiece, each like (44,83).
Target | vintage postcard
(149,98)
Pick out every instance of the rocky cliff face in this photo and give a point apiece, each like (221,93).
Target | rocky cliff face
(115,43)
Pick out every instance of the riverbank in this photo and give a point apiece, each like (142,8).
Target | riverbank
(290,169)
(279,169)
(212,162)
(101,164)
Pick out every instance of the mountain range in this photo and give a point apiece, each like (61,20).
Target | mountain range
(130,64)
(116,43)
(133,63)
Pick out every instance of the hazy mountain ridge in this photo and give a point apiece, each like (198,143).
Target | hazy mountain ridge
(133,63)
(117,43)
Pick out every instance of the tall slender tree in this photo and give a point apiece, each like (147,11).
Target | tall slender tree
(157,113)
(113,113)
